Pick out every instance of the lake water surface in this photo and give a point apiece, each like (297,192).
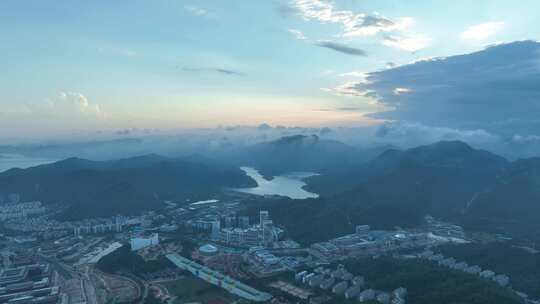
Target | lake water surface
(289,185)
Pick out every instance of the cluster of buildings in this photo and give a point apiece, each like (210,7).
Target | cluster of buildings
(44,226)
(27,282)
(445,229)
(100,227)
(18,211)
(501,279)
(262,262)
(367,242)
(292,290)
(236,230)
(341,282)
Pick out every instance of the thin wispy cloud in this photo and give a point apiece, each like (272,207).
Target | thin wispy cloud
(341,109)
(482,31)
(409,44)
(223,71)
(195,10)
(342,48)
(297,34)
(353,24)
(399,91)
(355,74)
(229,72)
(350,89)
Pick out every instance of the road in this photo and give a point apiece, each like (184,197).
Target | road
(62,269)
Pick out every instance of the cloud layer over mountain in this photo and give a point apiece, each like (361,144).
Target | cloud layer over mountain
(496,89)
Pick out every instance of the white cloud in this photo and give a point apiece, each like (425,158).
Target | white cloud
(194,10)
(410,44)
(407,134)
(482,31)
(297,34)
(350,89)
(353,24)
(355,74)
(398,91)
(380,25)
(69,103)
(64,113)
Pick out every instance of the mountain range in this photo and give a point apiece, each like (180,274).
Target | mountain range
(383,187)
(447,179)
(302,153)
(103,188)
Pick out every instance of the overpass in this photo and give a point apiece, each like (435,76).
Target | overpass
(216,278)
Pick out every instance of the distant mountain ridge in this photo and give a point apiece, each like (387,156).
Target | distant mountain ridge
(440,156)
(300,153)
(440,178)
(103,188)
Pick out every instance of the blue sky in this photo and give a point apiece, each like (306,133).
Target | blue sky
(104,65)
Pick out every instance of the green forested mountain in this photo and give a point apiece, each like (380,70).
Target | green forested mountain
(101,188)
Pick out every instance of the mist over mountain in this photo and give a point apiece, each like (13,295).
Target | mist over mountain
(224,142)
(307,153)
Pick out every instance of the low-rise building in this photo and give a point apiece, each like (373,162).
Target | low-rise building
(383,298)
(460,266)
(300,275)
(352,292)
(502,280)
(316,280)
(473,269)
(366,295)
(359,280)
(340,287)
(487,274)
(327,283)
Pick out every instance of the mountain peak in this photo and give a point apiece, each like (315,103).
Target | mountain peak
(450,145)
(454,153)
(297,139)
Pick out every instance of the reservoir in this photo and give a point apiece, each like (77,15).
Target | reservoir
(289,185)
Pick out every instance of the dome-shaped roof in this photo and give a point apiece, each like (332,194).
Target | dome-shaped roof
(208,248)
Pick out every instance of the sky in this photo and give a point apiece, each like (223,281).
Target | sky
(405,67)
